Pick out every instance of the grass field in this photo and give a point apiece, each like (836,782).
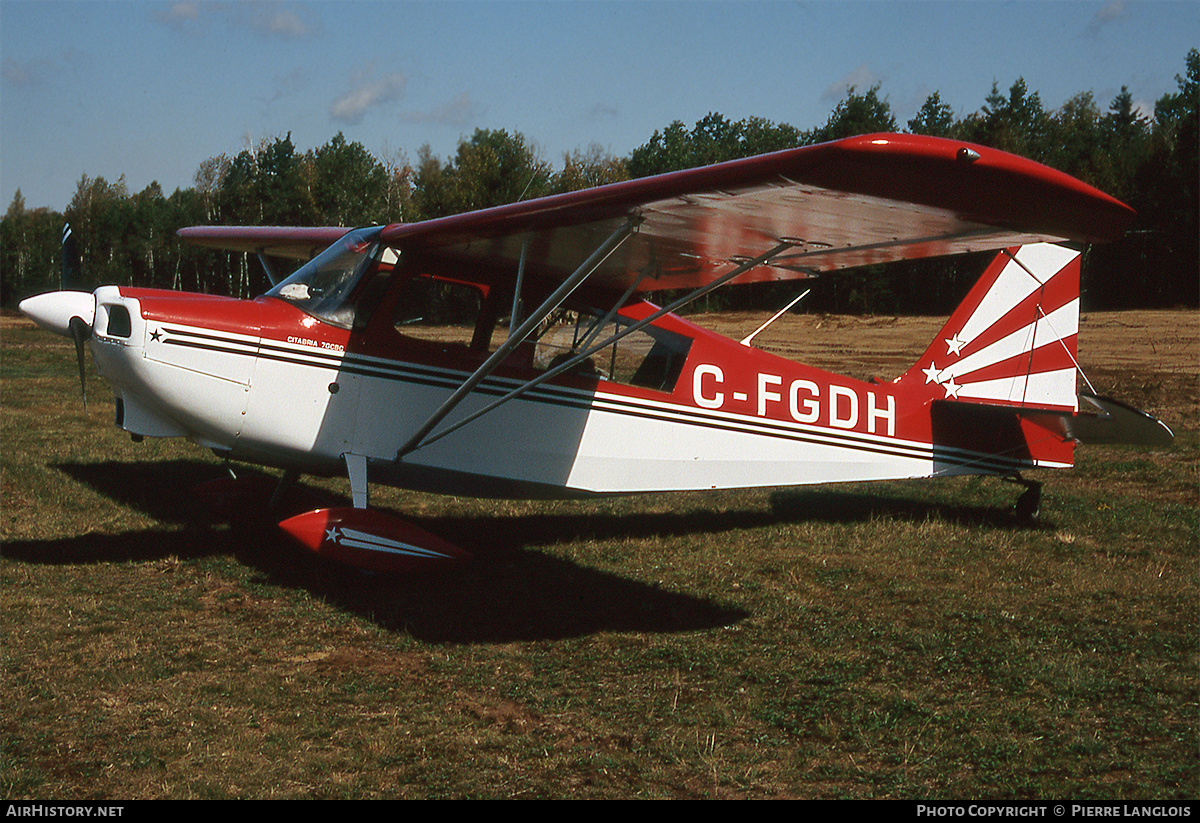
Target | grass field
(905,640)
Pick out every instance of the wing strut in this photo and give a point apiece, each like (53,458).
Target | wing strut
(524,330)
(516,307)
(625,332)
(269,269)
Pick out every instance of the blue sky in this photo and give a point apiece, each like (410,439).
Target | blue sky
(151,89)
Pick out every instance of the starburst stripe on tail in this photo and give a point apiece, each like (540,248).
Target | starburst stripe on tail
(1013,339)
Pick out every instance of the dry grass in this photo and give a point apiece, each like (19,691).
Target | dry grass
(904,640)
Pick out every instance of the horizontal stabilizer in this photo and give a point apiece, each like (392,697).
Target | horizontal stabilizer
(1003,439)
(1102,420)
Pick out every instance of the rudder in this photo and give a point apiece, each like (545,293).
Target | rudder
(1013,339)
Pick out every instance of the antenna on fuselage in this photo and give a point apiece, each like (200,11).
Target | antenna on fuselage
(746,340)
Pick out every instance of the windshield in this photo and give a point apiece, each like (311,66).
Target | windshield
(322,286)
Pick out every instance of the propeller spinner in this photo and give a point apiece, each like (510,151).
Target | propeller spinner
(69,313)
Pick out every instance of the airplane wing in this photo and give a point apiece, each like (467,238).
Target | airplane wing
(852,202)
(274,241)
(785,215)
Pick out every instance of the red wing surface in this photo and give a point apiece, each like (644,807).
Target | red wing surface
(854,202)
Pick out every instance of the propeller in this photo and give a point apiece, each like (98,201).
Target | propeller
(72,270)
(80,332)
(66,312)
(69,313)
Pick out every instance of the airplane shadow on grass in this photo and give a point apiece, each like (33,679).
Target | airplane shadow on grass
(509,592)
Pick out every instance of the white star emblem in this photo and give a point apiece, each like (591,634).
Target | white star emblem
(951,388)
(931,373)
(954,344)
(332,535)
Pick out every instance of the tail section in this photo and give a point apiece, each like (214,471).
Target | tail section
(1012,341)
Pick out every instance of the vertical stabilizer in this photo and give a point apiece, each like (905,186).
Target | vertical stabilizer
(1012,341)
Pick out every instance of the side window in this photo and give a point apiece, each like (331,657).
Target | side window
(649,357)
(442,311)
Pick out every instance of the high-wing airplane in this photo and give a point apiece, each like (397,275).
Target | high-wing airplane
(572,384)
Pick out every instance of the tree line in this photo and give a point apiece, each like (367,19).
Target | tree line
(129,238)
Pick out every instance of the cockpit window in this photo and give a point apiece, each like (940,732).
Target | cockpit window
(651,357)
(322,286)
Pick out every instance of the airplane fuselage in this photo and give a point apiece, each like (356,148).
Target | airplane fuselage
(263,382)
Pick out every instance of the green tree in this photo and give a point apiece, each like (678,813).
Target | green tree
(100,214)
(585,170)
(1123,123)
(184,266)
(1168,200)
(430,186)
(210,180)
(492,168)
(1177,131)
(1074,141)
(149,234)
(398,203)
(857,114)
(714,139)
(267,185)
(30,241)
(349,186)
(759,136)
(284,184)
(667,151)
(1016,123)
(15,249)
(935,118)
(1124,144)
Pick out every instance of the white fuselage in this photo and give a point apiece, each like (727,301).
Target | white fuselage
(301,401)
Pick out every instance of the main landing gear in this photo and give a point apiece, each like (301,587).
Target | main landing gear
(355,536)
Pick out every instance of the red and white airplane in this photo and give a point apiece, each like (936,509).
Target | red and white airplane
(587,389)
